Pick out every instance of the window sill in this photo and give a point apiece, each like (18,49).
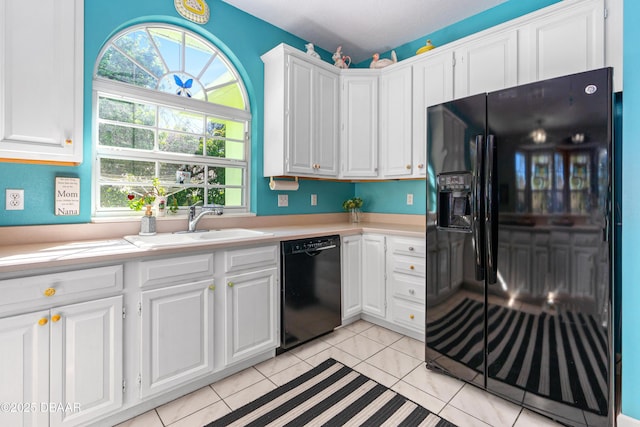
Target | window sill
(169,217)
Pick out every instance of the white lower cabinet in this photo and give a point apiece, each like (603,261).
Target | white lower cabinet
(250,303)
(374,300)
(351,251)
(62,366)
(177,335)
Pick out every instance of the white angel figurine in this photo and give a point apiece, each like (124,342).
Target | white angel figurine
(311,51)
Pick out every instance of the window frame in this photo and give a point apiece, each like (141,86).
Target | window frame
(120,90)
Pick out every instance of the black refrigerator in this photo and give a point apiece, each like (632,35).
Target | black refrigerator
(519,277)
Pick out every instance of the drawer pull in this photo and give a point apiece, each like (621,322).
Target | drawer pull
(55,318)
(420,165)
(230,284)
(42,321)
(212,287)
(411,316)
(408,167)
(49,292)
(412,292)
(411,267)
(411,249)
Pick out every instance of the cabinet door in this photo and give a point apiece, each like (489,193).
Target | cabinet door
(300,116)
(432,85)
(395,122)
(559,259)
(177,335)
(86,361)
(326,121)
(41,80)
(351,276)
(373,275)
(566,42)
(584,272)
(24,368)
(251,305)
(359,137)
(486,64)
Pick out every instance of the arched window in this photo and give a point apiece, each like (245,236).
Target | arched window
(171,120)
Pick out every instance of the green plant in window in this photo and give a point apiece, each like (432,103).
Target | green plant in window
(139,200)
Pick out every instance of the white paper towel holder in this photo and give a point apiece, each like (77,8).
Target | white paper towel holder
(283,185)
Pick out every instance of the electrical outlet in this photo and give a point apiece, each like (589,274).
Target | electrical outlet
(14,200)
(314,200)
(409,199)
(283,200)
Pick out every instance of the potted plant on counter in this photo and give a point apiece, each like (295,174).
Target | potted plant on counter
(353,206)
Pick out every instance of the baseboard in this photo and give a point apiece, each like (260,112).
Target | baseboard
(626,421)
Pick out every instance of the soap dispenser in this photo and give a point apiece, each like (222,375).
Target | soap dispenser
(148,223)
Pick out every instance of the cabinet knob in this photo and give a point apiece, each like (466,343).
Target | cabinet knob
(68,141)
(408,167)
(212,287)
(55,318)
(49,292)
(411,267)
(42,321)
(420,165)
(411,249)
(412,292)
(411,316)
(230,284)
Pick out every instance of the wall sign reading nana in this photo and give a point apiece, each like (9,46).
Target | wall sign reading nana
(67,196)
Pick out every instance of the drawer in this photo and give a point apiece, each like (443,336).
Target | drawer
(409,287)
(56,288)
(408,314)
(248,258)
(408,246)
(408,265)
(175,269)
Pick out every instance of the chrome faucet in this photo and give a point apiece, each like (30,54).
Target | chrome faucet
(206,210)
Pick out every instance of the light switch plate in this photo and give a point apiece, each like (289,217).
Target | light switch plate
(314,200)
(283,200)
(409,199)
(14,199)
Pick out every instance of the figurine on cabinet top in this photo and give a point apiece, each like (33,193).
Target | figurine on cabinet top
(427,47)
(384,62)
(311,51)
(340,60)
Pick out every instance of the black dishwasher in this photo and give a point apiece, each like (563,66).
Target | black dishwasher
(311,300)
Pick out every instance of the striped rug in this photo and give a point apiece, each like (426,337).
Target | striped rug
(331,394)
(561,356)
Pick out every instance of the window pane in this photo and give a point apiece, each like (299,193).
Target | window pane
(113,196)
(229,95)
(225,176)
(229,128)
(127,170)
(179,143)
(179,120)
(217,74)
(126,111)
(197,55)
(233,197)
(182,84)
(138,46)
(169,43)
(194,172)
(115,66)
(125,137)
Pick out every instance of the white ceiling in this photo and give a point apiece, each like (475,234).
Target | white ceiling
(362,27)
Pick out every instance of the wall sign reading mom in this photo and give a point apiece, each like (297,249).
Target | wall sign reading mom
(67,196)
(194,10)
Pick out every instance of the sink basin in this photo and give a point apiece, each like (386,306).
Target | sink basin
(196,238)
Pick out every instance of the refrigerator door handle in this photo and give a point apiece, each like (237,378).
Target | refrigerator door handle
(478,209)
(491,214)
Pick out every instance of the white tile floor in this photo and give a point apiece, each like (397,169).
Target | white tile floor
(389,358)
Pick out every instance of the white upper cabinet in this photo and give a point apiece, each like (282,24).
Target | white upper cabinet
(563,41)
(301,115)
(359,138)
(432,85)
(486,64)
(41,81)
(395,122)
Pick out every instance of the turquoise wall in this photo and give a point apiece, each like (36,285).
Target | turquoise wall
(631,213)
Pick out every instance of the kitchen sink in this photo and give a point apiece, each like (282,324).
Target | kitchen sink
(198,237)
